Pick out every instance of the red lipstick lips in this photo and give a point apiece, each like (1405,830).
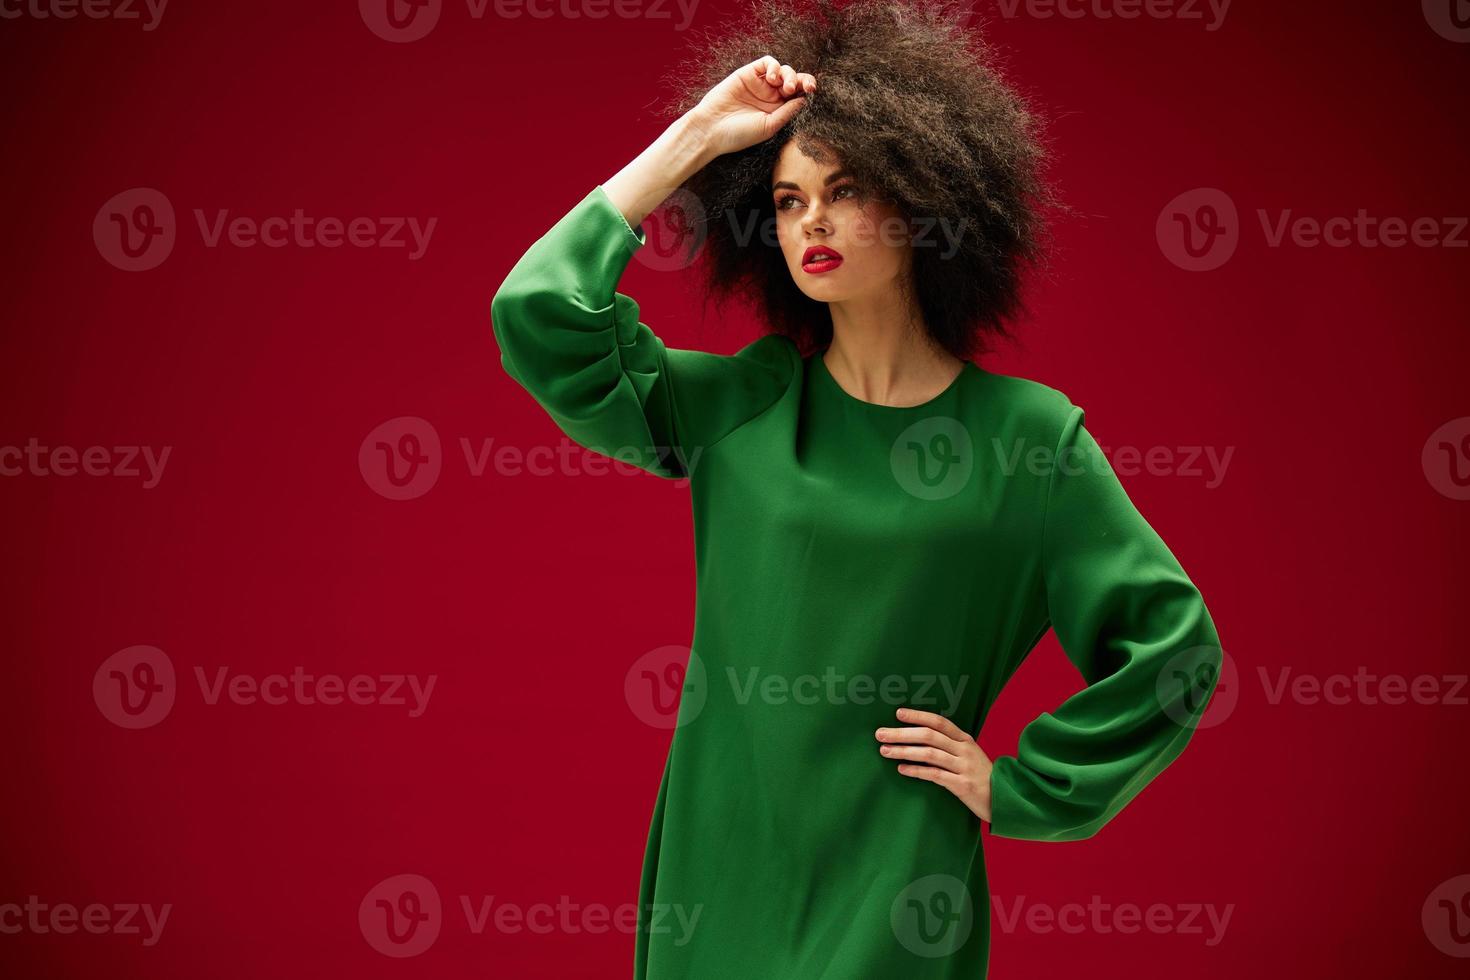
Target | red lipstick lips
(820,258)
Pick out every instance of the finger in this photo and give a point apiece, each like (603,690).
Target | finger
(788,79)
(808,82)
(943,777)
(923,753)
(762,79)
(935,721)
(783,113)
(919,736)
(759,69)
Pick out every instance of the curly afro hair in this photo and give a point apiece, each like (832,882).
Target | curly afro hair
(912,102)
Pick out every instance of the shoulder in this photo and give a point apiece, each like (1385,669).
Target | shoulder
(766,364)
(715,394)
(1027,408)
(775,351)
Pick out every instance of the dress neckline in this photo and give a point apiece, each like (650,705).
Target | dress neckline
(821,366)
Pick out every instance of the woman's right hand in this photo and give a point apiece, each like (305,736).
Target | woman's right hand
(751,105)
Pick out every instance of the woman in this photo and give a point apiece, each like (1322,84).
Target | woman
(884,530)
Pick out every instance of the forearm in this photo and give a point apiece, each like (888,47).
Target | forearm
(678,153)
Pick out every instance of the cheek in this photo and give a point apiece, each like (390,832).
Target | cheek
(880,244)
(867,228)
(788,237)
(878,233)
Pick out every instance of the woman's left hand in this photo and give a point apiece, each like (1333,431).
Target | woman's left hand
(938,751)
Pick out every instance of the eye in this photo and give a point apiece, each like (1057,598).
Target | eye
(837,195)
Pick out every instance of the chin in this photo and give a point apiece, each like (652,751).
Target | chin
(821,288)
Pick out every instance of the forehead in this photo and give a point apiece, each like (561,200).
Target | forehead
(793,164)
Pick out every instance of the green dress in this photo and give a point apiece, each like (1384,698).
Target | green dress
(853,558)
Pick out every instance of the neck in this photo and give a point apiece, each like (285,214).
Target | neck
(886,356)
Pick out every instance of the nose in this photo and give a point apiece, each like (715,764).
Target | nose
(815,220)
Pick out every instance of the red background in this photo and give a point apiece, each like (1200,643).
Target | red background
(1325,549)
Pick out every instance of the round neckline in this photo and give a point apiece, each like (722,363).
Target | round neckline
(878,406)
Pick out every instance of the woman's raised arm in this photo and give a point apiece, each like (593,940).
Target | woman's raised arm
(577,345)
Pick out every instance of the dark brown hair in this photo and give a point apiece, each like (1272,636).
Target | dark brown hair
(912,100)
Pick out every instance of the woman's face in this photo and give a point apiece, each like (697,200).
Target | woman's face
(819,207)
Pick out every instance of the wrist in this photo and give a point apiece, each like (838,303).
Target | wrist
(690,134)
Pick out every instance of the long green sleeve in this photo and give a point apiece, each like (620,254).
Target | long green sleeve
(1137,629)
(576,344)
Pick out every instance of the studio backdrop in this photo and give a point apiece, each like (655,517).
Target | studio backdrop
(327,652)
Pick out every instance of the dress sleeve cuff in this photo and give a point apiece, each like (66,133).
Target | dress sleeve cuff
(633,237)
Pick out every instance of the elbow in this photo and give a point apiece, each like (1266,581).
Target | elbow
(508,326)
(502,314)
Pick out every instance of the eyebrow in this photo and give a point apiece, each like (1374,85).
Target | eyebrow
(837,175)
